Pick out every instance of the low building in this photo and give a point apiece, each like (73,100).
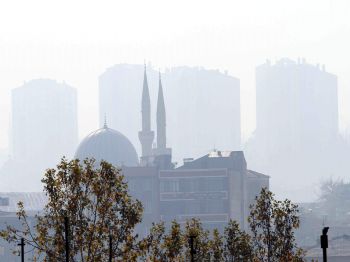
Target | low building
(214,188)
(33,203)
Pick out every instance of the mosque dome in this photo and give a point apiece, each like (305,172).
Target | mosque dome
(109,145)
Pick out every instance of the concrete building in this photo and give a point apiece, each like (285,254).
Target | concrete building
(34,204)
(43,130)
(44,121)
(296,138)
(298,101)
(215,188)
(143,183)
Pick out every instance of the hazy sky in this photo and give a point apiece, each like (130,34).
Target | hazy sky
(74,41)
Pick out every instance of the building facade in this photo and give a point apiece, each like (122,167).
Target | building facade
(297,136)
(44,121)
(43,129)
(296,100)
(214,188)
(34,204)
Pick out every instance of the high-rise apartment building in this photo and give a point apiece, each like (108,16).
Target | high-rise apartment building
(296,105)
(296,139)
(44,123)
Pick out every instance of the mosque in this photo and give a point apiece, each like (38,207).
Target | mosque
(215,188)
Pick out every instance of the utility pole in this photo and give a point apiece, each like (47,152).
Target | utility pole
(22,249)
(66,233)
(324,243)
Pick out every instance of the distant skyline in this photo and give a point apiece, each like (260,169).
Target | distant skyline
(76,41)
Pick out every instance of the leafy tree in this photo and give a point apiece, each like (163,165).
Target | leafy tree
(272,224)
(174,243)
(194,228)
(334,200)
(162,246)
(329,188)
(153,244)
(216,246)
(237,246)
(95,199)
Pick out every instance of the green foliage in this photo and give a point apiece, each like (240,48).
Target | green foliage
(153,245)
(193,227)
(174,243)
(216,246)
(98,205)
(272,224)
(238,246)
(159,246)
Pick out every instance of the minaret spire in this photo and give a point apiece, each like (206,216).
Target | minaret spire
(146,104)
(146,136)
(162,153)
(161,118)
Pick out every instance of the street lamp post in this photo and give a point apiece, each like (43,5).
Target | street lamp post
(22,249)
(192,249)
(110,247)
(324,243)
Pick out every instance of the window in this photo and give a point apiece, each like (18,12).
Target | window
(147,206)
(139,184)
(169,185)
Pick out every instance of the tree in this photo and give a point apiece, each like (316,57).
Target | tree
(160,246)
(96,202)
(153,244)
(237,246)
(329,189)
(272,224)
(174,242)
(334,200)
(216,246)
(194,228)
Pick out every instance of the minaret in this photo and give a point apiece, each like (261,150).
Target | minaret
(161,118)
(162,154)
(146,136)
